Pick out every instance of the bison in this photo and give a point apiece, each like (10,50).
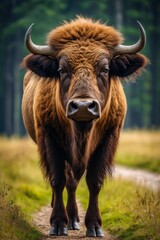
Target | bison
(74,107)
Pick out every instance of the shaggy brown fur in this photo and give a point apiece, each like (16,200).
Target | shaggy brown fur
(82,31)
(84,56)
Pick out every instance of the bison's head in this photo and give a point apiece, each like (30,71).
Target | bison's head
(85,57)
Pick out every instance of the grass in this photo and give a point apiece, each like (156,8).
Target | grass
(21,171)
(13,222)
(140,149)
(128,212)
(22,189)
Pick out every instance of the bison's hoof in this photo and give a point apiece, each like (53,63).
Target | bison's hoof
(73,225)
(99,232)
(94,232)
(58,231)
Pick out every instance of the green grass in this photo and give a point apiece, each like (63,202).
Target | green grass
(22,189)
(13,222)
(128,212)
(140,149)
(21,172)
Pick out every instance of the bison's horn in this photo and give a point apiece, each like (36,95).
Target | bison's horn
(36,49)
(121,49)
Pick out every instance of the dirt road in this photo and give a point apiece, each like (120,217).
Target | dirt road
(144,178)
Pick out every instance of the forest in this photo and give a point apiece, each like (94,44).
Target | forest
(143,96)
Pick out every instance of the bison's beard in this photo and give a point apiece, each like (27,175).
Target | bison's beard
(83,126)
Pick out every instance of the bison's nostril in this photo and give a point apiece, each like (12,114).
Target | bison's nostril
(73,106)
(92,106)
(94,109)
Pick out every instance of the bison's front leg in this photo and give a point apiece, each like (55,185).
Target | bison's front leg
(72,209)
(53,164)
(99,164)
(71,186)
(58,218)
(93,219)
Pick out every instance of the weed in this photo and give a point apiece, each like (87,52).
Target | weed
(22,189)
(13,224)
(147,212)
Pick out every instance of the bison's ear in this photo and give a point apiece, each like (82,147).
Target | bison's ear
(43,66)
(128,65)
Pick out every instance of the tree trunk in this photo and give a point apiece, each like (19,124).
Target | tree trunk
(119,14)
(9,84)
(17,85)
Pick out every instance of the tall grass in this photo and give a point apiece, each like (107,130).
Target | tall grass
(22,189)
(140,149)
(13,222)
(20,170)
(148,212)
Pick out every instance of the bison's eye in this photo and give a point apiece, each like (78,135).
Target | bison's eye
(104,70)
(102,77)
(62,70)
(64,77)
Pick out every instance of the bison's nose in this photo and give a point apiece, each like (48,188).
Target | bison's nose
(83,109)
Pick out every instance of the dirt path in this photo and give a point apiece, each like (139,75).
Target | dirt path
(41,220)
(144,178)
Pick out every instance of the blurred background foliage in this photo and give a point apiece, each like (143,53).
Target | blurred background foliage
(15,17)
